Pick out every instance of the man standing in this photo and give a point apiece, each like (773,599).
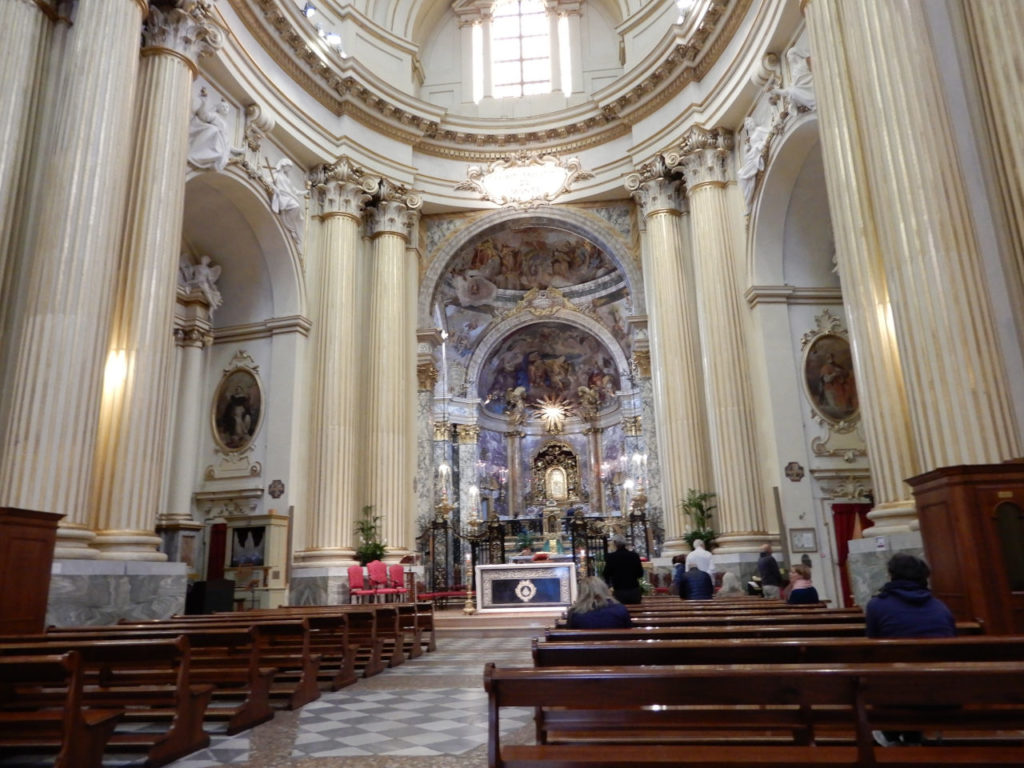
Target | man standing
(701,558)
(623,570)
(771,577)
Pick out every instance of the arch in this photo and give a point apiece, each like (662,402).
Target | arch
(574,221)
(228,217)
(772,206)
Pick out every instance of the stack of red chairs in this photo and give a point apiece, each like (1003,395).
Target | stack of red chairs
(396,579)
(357,587)
(379,580)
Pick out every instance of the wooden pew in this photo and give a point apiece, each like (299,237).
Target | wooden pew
(150,680)
(78,734)
(739,619)
(743,715)
(727,631)
(817,650)
(229,658)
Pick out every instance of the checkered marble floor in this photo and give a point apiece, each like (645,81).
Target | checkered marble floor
(430,707)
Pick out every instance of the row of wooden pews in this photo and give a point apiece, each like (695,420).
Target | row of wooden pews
(151,687)
(756,682)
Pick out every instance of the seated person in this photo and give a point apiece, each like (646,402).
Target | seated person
(801,591)
(595,608)
(696,585)
(731,586)
(905,607)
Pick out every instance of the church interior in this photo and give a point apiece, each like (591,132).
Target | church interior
(470,286)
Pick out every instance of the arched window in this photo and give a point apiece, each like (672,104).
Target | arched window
(520,48)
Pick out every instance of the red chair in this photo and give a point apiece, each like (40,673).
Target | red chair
(378,572)
(356,585)
(396,578)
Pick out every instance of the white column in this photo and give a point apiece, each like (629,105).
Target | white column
(391,371)
(879,373)
(336,440)
(704,159)
(485,27)
(679,404)
(957,387)
(575,47)
(60,306)
(25,37)
(555,50)
(412,257)
(134,416)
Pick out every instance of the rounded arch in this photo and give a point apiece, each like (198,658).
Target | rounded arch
(228,217)
(577,222)
(792,153)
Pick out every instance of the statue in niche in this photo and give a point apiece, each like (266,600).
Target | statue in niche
(590,402)
(202,277)
(285,200)
(801,82)
(753,158)
(208,145)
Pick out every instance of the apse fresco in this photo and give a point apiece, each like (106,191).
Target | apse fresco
(547,360)
(520,260)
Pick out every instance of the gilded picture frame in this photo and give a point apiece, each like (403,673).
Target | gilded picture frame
(829,379)
(803,540)
(237,410)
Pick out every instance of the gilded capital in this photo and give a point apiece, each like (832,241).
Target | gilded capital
(703,157)
(426,376)
(186,30)
(442,430)
(467,434)
(633,426)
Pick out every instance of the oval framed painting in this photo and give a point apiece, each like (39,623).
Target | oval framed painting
(237,409)
(829,379)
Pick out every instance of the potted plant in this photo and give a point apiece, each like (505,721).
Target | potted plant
(698,506)
(370,546)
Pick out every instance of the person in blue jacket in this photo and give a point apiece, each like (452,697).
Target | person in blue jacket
(696,585)
(595,608)
(905,606)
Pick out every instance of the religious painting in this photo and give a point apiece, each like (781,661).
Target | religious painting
(547,360)
(829,379)
(237,409)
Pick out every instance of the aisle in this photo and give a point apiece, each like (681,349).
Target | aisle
(428,712)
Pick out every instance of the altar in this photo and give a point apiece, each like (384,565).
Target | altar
(520,586)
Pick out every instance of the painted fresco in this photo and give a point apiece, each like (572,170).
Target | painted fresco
(548,360)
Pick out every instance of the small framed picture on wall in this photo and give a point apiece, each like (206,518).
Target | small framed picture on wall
(803,540)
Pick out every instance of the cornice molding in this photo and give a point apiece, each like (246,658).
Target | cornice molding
(346,88)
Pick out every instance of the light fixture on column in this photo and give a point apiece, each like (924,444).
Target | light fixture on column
(308,10)
(524,180)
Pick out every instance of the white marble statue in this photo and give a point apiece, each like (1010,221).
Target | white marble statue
(753,158)
(202,277)
(208,145)
(801,82)
(286,200)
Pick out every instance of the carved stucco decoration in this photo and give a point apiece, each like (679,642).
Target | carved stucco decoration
(509,182)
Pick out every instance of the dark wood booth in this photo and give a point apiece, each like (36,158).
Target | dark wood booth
(972,524)
(27,539)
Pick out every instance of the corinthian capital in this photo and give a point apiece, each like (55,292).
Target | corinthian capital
(703,157)
(653,188)
(342,188)
(391,212)
(185,27)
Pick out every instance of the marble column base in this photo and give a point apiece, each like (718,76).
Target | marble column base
(100,592)
(327,585)
(743,564)
(868,558)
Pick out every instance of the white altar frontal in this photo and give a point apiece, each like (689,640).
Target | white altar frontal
(524,586)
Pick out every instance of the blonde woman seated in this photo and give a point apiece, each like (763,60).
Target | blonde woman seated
(595,608)
(731,586)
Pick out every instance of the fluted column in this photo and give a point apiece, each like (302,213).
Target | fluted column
(191,339)
(704,159)
(25,34)
(412,286)
(957,388)
(61,302)
(134,415)
(675,347)
(996,29)
(391,373)
(884,409)
(336,441)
